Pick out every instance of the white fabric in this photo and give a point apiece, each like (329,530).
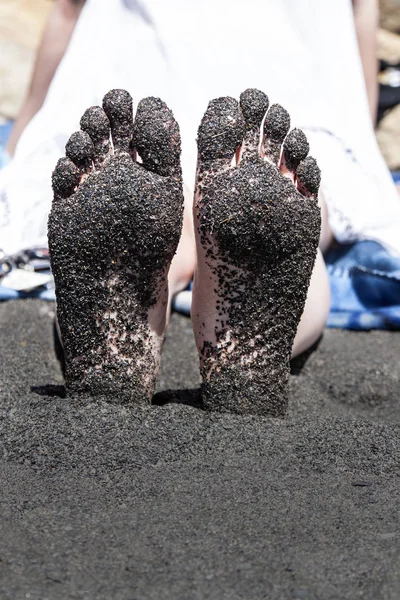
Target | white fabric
(303,53)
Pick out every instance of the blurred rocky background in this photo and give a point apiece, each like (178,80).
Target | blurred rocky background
(22,23)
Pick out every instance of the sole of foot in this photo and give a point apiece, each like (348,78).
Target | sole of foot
(113,230)
(257,225)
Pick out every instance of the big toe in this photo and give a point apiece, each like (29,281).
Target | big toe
(221,131)
(156,137)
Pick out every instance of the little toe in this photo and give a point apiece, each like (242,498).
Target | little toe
(118,107)
(156,137)
(308,175)
(254,105)
(65,178)
(276,127)
(221,132)
(95,123)
(80,150)
(295,149)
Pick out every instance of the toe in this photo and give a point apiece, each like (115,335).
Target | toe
(308,176)
(117,105)
(80,150)
(156,137)
(65,178)
(254,105)
(295,149)
(221,132)
(276,126)
(95,123)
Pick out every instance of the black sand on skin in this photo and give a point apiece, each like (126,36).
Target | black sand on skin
(103,501)
(260,237)
(111,243)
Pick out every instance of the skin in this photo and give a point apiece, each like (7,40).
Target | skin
(121,215)
(115,224)
(54,43)
(366,19)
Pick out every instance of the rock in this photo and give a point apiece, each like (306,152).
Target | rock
(390,15)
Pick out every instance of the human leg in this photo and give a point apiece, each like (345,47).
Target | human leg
(316,308)
(183,264)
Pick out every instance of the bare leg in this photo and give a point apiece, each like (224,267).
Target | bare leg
(184,262)
(316,309)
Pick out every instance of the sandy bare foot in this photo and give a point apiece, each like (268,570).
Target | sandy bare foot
(257,230)
(113,231)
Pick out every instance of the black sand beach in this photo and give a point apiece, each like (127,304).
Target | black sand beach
(103,501)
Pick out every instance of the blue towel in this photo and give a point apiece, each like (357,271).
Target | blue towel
(365,287)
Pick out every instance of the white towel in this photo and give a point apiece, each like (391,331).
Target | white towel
(302,53)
